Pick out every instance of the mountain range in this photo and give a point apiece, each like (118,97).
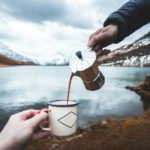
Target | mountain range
(6,52)
(134,54)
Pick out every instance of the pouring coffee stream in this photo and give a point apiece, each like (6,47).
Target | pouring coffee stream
(69,88)
(80,56)
(84,65)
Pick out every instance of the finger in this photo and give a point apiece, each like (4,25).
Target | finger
(24,115)
(27,114)
(102,52)
(39,136)
(92,36)
(34,122)
(98,53)
(97,48)
(106,51)
(44,124)
(96,40)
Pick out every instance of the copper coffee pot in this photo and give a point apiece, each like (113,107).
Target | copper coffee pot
(83,64)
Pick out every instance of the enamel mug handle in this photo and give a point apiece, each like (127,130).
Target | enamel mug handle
(43,128)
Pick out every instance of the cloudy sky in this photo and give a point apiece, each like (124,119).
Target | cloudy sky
(46,27)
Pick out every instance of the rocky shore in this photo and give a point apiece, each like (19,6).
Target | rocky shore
(143,89)
(113,134)
(3,65)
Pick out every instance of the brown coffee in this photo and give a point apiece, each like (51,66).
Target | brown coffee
(59,102)
(69,88)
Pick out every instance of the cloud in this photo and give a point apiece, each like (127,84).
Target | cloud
(34,10)
(44,40)
(45,27)
(39,11)
(5,36)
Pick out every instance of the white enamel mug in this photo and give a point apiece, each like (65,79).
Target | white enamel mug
(62,117)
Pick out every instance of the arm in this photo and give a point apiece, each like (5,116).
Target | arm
(130,17)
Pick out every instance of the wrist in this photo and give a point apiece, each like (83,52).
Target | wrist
(5,144)
(115,31)
(2,145)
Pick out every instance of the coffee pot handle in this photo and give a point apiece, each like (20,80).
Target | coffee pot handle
(43,128)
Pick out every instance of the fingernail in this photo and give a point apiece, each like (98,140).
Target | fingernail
(89,44)
(89,48)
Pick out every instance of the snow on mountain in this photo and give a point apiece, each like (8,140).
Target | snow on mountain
(135,54)
(58,59)
(6,51)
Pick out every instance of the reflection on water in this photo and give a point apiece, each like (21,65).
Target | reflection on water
(33,86)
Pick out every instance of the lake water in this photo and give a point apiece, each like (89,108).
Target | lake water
(27,87)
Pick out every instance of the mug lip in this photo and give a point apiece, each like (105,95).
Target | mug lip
(63,105)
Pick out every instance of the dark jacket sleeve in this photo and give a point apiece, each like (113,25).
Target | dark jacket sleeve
(130,17)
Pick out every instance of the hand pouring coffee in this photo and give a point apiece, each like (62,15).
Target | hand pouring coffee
(83,64)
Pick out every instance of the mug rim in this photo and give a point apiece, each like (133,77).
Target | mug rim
(63,105)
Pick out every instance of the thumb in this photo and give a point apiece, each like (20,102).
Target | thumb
(34,122)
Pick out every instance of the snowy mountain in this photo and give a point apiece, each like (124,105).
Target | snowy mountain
(55,60)
(6,51)
(58,59)
(135,54)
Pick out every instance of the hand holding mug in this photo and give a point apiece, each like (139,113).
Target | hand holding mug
(20,129)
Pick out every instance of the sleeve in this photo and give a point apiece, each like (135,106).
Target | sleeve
(130,17)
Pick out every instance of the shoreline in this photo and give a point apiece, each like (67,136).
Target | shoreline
(4,65)
(112,134)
